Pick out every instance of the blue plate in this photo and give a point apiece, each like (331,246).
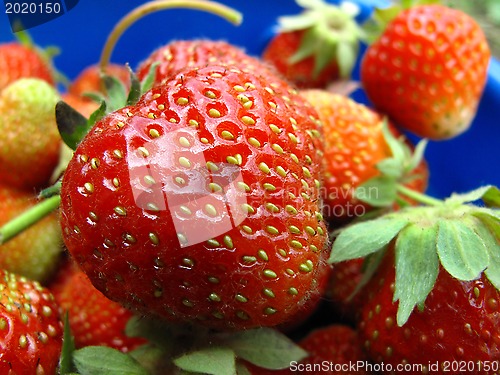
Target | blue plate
(457,165)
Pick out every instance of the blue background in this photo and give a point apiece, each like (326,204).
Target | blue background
(461,164)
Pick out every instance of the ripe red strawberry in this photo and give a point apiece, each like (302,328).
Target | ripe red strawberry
(29,141)
(316,47)
(434,289)
(200,202)
(35,252)
(19,61)
(335,350)
(181,54)
(93,318)
(459,323)
(31,338)
(346,300)
(354,145)
(427,70)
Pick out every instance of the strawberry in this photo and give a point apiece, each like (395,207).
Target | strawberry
(31,338)
(20,61)
(334,349)
(177,55)
(431,303)
(93,318)
(459,322)
(346,300)
(29,141)
(35,252)
(355,144)
(427,70)
(237,159)
(318,46)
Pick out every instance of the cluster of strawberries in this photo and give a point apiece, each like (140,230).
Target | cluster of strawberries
(175,218)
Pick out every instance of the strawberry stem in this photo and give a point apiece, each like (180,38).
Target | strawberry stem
(223,11)
(28,218)
(418,197)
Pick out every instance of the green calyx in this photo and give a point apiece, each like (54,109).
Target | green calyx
(331,34)
(183,349)
(381,17)
(388,188)
(73,126)
(460,237)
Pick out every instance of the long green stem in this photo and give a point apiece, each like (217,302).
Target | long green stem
(418,197)
(223,11)
(28,218)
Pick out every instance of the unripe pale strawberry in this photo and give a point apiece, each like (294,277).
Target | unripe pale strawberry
(29,139)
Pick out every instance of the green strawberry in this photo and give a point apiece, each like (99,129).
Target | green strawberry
(29,139)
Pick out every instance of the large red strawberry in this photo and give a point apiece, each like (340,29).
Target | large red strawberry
(318,46)
(31,338)
(432,301)
(93,318)
(180,54)
(35,252)
(201,202)
(355,145)
(334,350)
(20,61)
(29,140)
(427,70)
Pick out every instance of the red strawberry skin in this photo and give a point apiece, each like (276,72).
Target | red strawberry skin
(18,61)
(180,54)
(200,257)
(428,70)
(93,318)
(31,338)
(460,322)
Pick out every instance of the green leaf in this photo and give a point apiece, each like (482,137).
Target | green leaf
(347,53)
(98,114)
(135,88)
(380,191)
(492,197)
(489,230)
(101,360)
(241,369)
(212,360)
(277,353)
(72,125)
(490,218)
(149,79)
(390,167)
(461,251)
(418,155)
(489,194)
(362,239)
(116,93)
(417,267)
(66,360)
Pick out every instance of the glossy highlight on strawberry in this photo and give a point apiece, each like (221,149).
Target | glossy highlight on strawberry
(201,202)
